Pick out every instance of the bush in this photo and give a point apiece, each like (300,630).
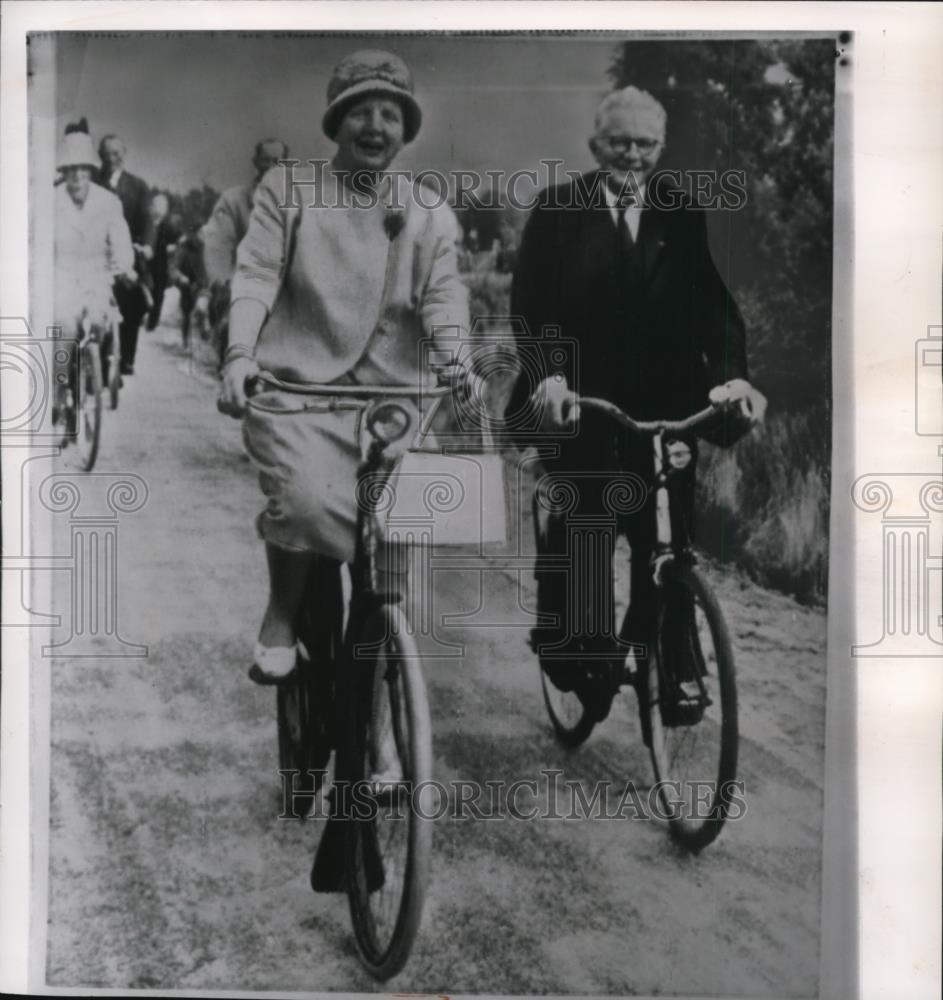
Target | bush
(765,505)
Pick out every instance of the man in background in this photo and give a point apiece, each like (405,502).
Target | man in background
(163,238)
(189,275)
(223,233)
(134,300)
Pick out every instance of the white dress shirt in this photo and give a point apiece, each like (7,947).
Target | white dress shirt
(632,214)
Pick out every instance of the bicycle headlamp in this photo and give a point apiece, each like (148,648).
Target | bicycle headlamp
(679,454)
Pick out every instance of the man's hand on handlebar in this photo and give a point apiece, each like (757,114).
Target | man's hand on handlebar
(750,402)
(232,390)
(461,378)
(557,404)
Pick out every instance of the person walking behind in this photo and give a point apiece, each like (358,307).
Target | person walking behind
(134,299)
(163,238)
(222,235)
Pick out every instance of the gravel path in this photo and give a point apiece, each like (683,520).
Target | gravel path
(170,869)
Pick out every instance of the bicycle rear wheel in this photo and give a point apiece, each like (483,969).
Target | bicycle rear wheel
(691,699)
(114,367)
(303,741)
(88,406)
(571,720)
(389,841)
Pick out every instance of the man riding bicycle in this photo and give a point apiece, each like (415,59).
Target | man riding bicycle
(618,260)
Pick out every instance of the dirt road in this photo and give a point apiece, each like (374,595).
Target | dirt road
(170,869)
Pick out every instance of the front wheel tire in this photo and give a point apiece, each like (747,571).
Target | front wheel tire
(690,696)
(389,847)
(88,404)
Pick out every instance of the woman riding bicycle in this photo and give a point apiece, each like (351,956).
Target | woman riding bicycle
(337,280)
(92,241)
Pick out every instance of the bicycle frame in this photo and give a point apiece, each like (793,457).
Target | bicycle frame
(668,548)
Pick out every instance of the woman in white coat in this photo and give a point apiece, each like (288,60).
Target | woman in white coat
(92,241)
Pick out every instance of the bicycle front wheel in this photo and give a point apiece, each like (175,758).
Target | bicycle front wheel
(88,404)
(389,839)
(691,698)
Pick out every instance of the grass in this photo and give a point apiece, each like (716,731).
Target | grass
(764,505)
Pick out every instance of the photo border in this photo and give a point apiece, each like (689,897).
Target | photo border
(899,952)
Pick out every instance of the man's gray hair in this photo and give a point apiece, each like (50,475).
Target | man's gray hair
(111,137)
(631,99)
(270,141)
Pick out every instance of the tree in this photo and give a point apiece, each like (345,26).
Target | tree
(766,108)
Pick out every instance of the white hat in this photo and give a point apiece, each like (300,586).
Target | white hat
(77,151)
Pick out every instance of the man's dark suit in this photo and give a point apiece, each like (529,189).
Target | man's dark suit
(132,302)
(656,329)
(655,335)
(163,236)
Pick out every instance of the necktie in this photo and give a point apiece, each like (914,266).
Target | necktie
(626,243)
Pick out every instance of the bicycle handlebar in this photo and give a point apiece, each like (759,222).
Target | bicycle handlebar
(342,391)
(649,426)
(334,391)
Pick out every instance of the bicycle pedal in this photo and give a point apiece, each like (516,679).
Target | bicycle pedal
(688,708)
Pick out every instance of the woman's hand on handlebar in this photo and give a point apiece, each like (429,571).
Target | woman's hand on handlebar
(557,404)
(232,390)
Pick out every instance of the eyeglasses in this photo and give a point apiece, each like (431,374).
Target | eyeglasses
(617,144)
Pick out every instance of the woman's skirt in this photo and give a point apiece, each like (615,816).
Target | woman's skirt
(307,464)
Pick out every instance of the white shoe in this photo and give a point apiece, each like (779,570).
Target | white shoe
(388,768)
(273,664)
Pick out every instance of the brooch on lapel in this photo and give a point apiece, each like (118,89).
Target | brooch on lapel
(393,222)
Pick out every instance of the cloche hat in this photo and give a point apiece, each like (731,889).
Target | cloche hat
(76,149)
(371,71)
